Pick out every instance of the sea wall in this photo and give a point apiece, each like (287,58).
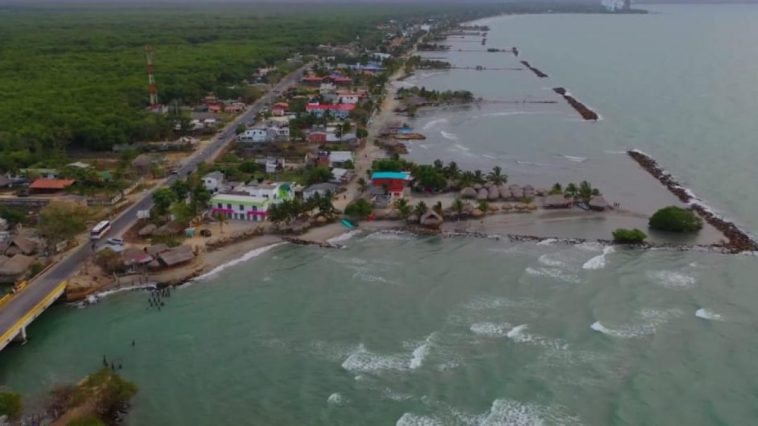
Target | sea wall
(581,108)
(739,240)
(535,70)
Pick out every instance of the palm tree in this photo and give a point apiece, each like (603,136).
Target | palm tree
(496,176)
(467,179)
(585,191)
(402,206)
(222,219)
(452,171)
(478,176)
(438,165)
(572,190)
(420,209)
(325,206)
(362,185)
(438,208)
(557,189)
(458,207)
(484,206)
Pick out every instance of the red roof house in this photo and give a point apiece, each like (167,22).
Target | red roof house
(51,185)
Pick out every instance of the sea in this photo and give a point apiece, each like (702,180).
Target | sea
(396,329)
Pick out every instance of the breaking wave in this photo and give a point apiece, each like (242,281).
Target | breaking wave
(651,319)
(708,315)
(599,261)
(490,329)
(247,256)
(449,136)
(433,123)
(672,279)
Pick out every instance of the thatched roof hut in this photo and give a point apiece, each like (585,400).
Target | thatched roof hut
(431,219)
(21,245)
(176,256)
(147,230)
(598,203)
(468,192)
(556,201)
(477,213)
(482,195)
(515,192)
(13,268)
(493,193)
(529,191)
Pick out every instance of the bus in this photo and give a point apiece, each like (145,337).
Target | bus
(99,230)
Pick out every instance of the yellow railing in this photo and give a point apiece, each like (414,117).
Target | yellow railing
(32,313)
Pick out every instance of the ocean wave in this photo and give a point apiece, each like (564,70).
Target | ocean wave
(555,273)
(366,276)
(575,159)
(548,242)
(448,135)
(589,246)
(336,399)
(672,279)
(433,123)
(550,260)
(247,256)
(708,315)
(612,152)
(94,298)
(410,419)
(343,237)
(511,412)
(599,261)
(364,361)
(651,320)
(519,334)
(490,329)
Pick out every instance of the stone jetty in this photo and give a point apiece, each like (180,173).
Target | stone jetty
(581,108)
(739,240)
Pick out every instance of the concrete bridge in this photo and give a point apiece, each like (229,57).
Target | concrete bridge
(16,330)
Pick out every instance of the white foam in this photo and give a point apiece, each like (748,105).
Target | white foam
(94,298)
(708,315)
(612,152)
(598,262)
(555,273)
(490,329)
(247,256)
(410,419)
(589,246)
(344,237)
(449,136)
(549,260)
(418,356)
(367,277)
(547,242)
(672,279)
(651,320)
(507,412)
(433,123)
(336,399)
(519,334)
(575,159)
(364,361)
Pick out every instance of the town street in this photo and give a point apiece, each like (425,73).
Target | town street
(40,287)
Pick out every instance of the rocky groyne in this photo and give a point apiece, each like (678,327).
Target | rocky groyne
(581,108)
(738,240)
(535,70)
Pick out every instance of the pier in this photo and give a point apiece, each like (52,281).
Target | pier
(581,108)
(535,70)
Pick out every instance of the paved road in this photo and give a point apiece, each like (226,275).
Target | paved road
(42,286)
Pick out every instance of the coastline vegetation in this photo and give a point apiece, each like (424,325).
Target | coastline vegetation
(675,219)
(629,236)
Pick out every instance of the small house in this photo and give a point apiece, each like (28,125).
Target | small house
(322,189)
(556,201)
(340,158)
(14,268)
(44,185)
(393,182)
(176,256)
(213,181)
(598,203)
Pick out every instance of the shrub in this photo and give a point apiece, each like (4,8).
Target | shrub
(675,219)
(359,209)
(628,236)
(10,404)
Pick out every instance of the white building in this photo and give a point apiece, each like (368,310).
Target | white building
(256,135)
(339,158)
(213,181)
(251,202)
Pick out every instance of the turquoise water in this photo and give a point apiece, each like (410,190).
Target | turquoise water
(396,329)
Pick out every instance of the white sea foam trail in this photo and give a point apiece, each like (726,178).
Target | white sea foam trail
(433,123)
(490,329)
(672,279)
(449,136)
(708,315)
(575,158)
(410,419)
(247,256)
(650,320)
(344,237)
(598,262)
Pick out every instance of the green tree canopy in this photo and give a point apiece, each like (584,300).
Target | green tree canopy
(675,219)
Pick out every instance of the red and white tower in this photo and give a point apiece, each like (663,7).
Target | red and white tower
(152,89)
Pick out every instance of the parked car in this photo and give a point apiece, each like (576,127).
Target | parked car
(115,241)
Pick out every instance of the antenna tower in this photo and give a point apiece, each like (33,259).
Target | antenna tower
(152,89)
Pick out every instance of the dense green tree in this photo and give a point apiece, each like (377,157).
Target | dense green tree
(162,200)
(10,404)
(359,209)
(318,174)
(675,219)
(61,221)
(628,236)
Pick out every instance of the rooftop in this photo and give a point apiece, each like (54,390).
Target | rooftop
(51,183)
(391,175)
